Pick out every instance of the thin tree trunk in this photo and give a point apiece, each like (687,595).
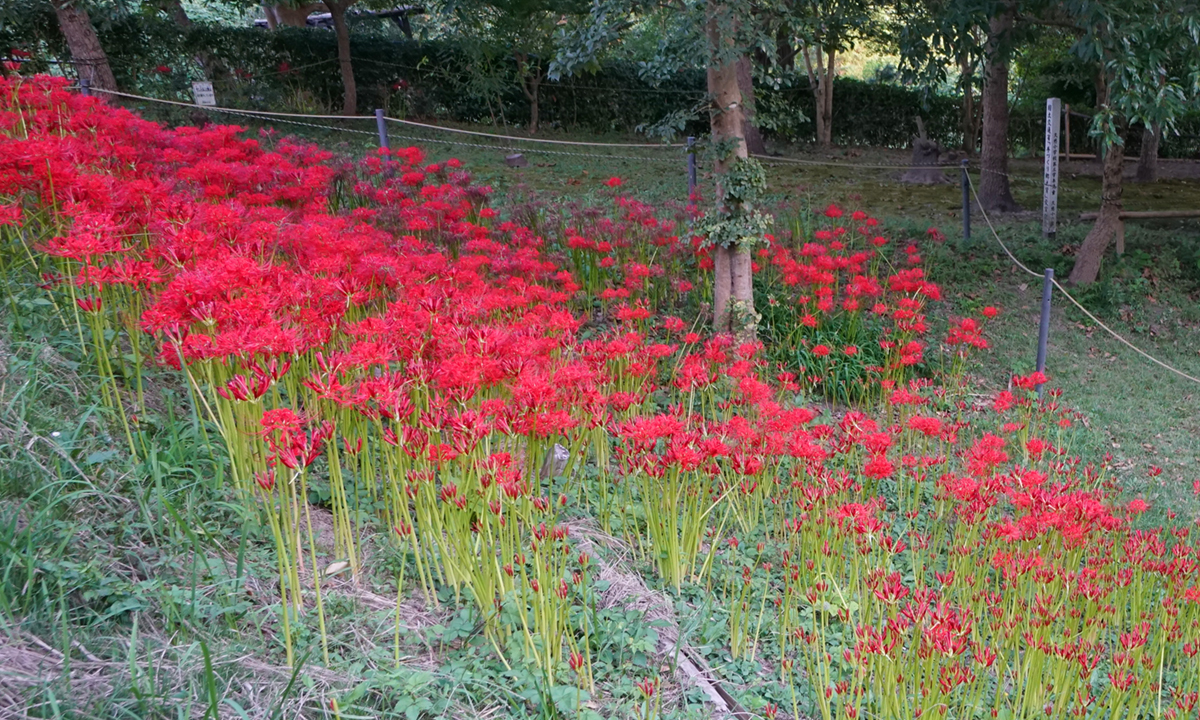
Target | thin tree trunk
(820,79)
(337,13)
(730,301)
(530,84)
(967,80)
(827,98)
(745,78)
(91,63)
(1091,253)
(534,106)
(994,192)
(1147,167)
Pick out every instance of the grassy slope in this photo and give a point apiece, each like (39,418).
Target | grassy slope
(149,545)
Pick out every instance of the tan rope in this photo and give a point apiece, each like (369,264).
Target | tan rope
(530,139)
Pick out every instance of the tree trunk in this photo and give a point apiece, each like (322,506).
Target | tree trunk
(731,301)
(91,63)
(785,52)
(745,78)
(994,192)
(967,80)
(1087,260)
(337,13)
(722,288)
(530,85)
(827,99)
(174,10)
(820,79)
(1147,167)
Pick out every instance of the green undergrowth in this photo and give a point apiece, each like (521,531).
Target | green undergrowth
(139,589)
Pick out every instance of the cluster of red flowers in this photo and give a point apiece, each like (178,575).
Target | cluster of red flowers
(381,316)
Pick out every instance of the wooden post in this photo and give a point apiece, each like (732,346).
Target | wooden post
(1050,178)
(966,203)
(1067,131)
(691,167)
(1044,325)
(381,126)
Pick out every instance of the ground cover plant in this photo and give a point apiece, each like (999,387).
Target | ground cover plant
(384,384)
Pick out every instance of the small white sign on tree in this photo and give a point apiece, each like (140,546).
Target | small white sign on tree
(1050,180)
(203,94)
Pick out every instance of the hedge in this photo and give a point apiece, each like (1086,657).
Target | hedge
(296,69)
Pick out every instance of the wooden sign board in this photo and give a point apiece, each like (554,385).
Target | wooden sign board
(1050,179)
(203,93)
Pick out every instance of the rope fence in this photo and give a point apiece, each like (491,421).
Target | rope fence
(516,142)
(1100,323)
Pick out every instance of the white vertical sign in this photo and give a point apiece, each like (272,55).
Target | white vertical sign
(203,94)
(1050,180)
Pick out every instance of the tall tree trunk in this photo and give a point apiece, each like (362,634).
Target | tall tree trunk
(745,78)
(967,80)
(733,297)
(1087,260)
(994,192)
(1147,167)
(337,13)
(91,63)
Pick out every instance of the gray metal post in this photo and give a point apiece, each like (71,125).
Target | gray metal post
(85,86)
(1044,327)
(966,190)
(691,166)
(381,124)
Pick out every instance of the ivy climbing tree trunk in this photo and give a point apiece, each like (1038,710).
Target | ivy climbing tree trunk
(91,62)
(733,293)
(337,13)
(994,192)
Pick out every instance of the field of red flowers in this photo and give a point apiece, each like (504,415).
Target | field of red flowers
(861,531)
